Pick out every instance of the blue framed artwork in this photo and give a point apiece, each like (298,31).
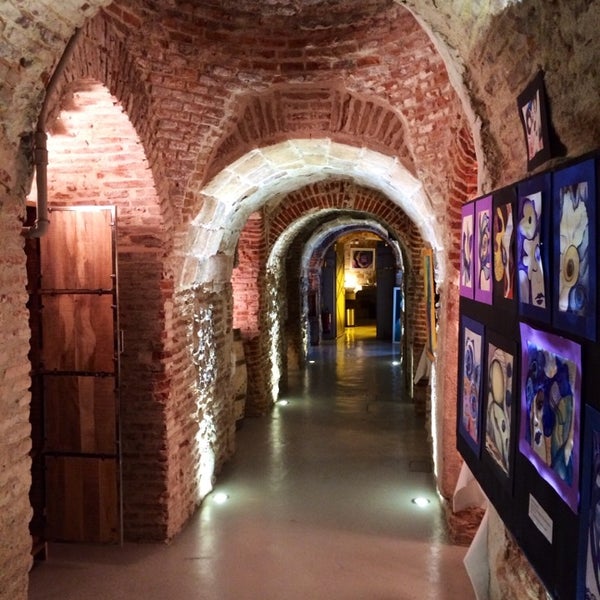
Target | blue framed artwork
(470,387)
(550,409)
(467,238)
(500,402)
(588,572)
(574,191)
(503,236)
(483,250)
(533,248)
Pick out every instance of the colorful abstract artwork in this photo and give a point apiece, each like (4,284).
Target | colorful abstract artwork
(504,235)
(471,382)
(467,264)
(550,407)
(575,252)
(588,580)
(483,250)
(533,114)
(430,302)
(499,403)
(532,248)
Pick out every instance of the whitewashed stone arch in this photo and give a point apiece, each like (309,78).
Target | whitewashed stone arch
(248,183)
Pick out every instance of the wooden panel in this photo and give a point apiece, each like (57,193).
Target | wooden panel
(80,414)
(76,253)
(78,333)
(84,502)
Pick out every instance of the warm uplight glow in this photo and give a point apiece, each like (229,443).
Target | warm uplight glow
(351,281)
(221,497)
(421,501)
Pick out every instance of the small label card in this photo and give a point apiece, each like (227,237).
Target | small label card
(541,519)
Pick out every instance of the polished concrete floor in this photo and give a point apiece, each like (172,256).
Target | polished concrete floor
(319,505)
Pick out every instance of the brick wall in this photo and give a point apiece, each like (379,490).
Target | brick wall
(203,89)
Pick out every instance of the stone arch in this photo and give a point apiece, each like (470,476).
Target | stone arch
(266,175)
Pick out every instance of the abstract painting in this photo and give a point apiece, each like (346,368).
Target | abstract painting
(470,390)
(503,235)
(588,579)
(550,409)
(575,252)
(483,250)
(533,114)
(430,301)
(467,264)
(533,242)
(499,401)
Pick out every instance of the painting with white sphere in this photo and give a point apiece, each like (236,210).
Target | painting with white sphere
(499,401)
(575,249)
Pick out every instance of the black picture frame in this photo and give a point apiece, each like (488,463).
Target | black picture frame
(533,112)
(470,388)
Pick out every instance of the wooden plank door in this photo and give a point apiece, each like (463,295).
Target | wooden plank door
(79,372)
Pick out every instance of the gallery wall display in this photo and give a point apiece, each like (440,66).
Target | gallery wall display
(528,374)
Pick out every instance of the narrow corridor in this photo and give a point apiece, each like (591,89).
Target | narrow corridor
(319,505)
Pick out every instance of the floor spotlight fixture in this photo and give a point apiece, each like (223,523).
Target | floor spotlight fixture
(421,501)
(221,497)
(283,402)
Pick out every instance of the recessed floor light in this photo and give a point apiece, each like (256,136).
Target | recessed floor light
(421,502)
(283,402)
(221,497)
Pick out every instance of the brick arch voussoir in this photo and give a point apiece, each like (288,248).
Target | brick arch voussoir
(345,195)
(309,111)
(102,57)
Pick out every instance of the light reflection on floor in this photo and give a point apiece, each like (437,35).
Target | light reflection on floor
(319,505)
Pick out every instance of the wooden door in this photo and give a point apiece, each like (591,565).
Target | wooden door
(79,373)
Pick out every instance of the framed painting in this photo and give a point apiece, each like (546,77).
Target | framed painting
(467,238)
(503,246)
(430,301)
(363,258)
(588,572)
(470,378)
(398,310)
(575,249)
(499,401)
(533,248)
(483,250)
(550,409)
(533,112)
